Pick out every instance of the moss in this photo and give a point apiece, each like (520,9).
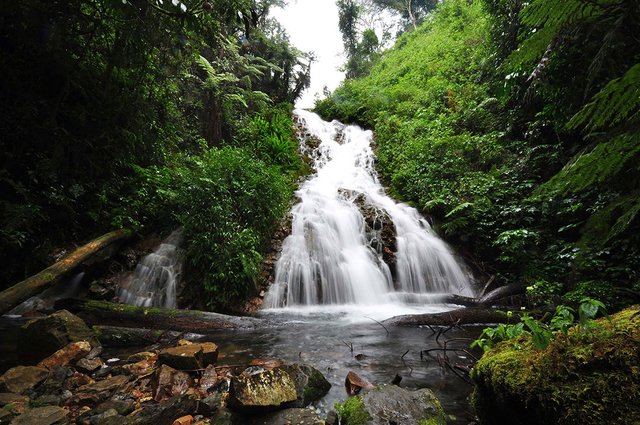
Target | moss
(589,376)
(352,412)
(127,308)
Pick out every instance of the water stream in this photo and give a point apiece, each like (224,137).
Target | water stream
(334,255)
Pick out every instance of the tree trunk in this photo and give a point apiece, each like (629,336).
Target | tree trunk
(11,297)
(128,316)
(463,316)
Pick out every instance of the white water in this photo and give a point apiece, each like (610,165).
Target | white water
(156,276)
(327,260)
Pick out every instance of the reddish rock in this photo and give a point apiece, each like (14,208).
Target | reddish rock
(267,364)
(66,355)
(354,383)
(190,357)
(185,420)
(22,378)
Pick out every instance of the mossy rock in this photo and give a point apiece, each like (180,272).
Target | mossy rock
(589,376)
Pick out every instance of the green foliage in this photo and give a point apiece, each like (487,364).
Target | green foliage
(227,203)
(548,386)
(541,333)
(352,412)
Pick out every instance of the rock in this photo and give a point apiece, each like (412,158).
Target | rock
(391,404)
(101,418)
(123,407)
(310,384)
(165,412)
(142,367)
(169,382)
(257,388)
(11,398)
(190,357)
(66,355)
(44,336)
(94,353)
(588,376)
(6,415)
(22,378)
(48,415)
(209,405)
(77,380)
(184,420)
(87,365)
(209,378)
(142,356)
(288,417)
(354,383)
(48,400)
(267,364)
(332,418)
(100,292)
(100,390)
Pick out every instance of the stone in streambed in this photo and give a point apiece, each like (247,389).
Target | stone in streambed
(392,404)
(165,412)
(89,365)
(190,357)
(169,382)
(310,384)
(70,353)
(295,416)
(100,390)
(48,415)
(259,389)
(22,378)
(44,336)
(354,383)
(11,398)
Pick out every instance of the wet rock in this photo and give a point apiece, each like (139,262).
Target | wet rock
(295,416)
(258,388)
(354,383)
(103,372)
(310,383)
(267,364)
(48,415)
(105,417)
(66,355)
(209,405)
(44,336)
(77,380)
(184,420)
(22,378)
(122,407)
(190,357)
(165,412)
(142,356)
(94,353)
(100,390)
(392,404)
(209,378)
(169,382)
(6,415)
(97,291)
(332,418)
(140,368)
(89,365)
(48,400)
(10,398)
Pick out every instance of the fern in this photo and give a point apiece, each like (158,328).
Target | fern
(555,13)
(618,100)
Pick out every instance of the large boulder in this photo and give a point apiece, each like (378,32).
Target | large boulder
(44,336)
(190,357)
(391,404)
(259,389)
(588,376)
(310,384)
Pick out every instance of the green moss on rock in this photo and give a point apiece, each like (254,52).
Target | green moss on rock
(589,376)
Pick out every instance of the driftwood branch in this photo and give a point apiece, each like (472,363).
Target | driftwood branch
(463,316)
(11,297)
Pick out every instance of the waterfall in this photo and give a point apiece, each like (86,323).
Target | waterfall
(336,252)
(154,281)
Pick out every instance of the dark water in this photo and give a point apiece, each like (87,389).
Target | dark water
(325,340)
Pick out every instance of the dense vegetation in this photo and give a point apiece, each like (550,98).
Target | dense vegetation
(516,126)
(151,115)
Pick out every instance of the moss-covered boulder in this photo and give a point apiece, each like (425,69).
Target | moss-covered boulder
(589,376)
(310,383)
(391,404)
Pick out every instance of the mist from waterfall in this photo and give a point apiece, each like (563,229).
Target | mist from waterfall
(329,258)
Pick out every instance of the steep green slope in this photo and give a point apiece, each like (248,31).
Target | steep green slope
(473,120)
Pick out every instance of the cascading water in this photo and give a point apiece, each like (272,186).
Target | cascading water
(154,281)
(334,254)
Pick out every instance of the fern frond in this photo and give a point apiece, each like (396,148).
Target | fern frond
(556,12)
(530,50)
(619,99)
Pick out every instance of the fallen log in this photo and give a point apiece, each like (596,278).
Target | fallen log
(128,316)
(486,300)
(462,316)
(13,296)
